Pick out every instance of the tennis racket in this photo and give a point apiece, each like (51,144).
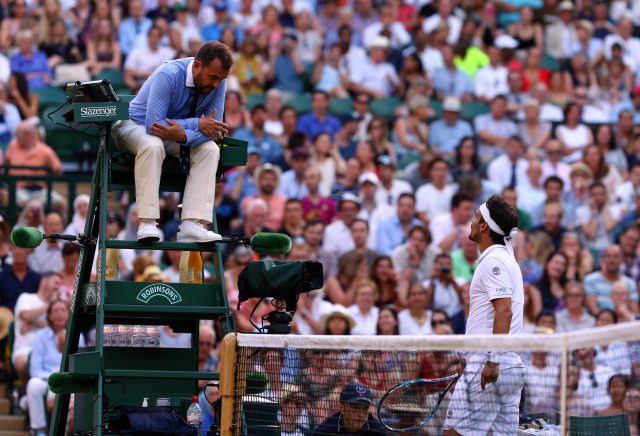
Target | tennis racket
(411,404)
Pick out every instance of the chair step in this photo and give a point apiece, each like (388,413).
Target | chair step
(171,375)
(126,311)
(5,406)
(179,246)
(13,423)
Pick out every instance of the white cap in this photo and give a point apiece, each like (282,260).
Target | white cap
(379,42)
(452,104)
(505,41)
(370,177)
(348,196)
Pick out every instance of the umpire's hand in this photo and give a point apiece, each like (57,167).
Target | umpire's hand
(212,128)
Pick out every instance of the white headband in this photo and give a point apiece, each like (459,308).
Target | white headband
(484,211)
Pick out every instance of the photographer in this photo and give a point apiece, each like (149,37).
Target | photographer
(444,292)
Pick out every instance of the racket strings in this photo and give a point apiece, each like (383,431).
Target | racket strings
(408,406)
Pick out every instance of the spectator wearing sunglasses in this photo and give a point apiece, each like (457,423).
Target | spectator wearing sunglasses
(594,379)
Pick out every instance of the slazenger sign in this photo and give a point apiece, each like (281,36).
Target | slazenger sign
(159,290)
(108,111)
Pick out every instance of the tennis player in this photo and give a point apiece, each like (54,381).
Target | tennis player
(487,396)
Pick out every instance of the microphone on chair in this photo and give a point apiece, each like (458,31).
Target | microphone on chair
(66,383)
(270,244)
(30,237)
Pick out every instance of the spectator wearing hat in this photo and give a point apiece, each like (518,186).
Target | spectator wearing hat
(286,69)
(255,135)
(491,80)
(292,184)
(184,27)
(337,235)
(337,321)
(494,128)
(632,105)
(389,188)
(446,133)
(241,182)
(268,178)
(586,43)
(133,26)
(368,183)
(315,205)
(353,416)
(318,120)
(376,77)
(451,81)
(561,36)
(444,14)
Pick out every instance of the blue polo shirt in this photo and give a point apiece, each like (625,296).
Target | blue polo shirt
(311,126)
(11,286)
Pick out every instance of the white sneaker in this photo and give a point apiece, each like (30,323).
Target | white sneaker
(191,231)
(148,232)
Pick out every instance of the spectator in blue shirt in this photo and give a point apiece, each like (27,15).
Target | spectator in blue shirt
(451,81)
(255,135)
(134,26)
(241,182)
(394,232)
(31,62)
(632,105)
(447,132)
(17,278)
(213,31)
(318,120)
(286,69)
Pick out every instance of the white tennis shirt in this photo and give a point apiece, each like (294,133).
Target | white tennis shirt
(497,276)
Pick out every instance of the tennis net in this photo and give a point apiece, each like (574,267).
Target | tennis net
(302,385)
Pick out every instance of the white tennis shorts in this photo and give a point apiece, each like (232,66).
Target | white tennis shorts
(474,412)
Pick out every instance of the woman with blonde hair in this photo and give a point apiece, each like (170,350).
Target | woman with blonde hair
(378,134)
(411,133)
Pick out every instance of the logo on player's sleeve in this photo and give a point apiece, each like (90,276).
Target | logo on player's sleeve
(496,271)
(449,413)
(504,291)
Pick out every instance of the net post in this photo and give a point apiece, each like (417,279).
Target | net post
(564,368)
(228,359)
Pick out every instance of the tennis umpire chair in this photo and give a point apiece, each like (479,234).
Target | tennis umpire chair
(104,377)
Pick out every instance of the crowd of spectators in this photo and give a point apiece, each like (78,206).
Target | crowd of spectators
(447,102)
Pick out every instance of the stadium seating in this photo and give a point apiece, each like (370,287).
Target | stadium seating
(385,107)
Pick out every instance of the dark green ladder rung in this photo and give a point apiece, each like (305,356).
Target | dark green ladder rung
(178,246)
(111,309)
(182,375)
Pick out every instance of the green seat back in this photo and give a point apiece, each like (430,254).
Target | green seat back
(385,107)
(116,77)
(340,107)
(616,425)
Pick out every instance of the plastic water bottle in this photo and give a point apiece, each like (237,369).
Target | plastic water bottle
(194,413)
(112,261)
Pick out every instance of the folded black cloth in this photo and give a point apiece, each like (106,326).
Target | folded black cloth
(151,421)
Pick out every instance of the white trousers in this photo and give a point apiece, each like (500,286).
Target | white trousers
(150,151)
(36,390)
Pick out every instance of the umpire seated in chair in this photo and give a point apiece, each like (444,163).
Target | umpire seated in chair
(178,111)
